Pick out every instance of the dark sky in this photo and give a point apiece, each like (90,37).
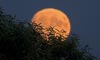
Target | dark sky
(84,16)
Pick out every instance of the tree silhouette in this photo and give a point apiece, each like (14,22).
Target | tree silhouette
(21,42)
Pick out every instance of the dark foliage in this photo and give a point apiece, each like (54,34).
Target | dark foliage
(21,42)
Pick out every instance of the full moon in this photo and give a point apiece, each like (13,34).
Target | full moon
(51,17)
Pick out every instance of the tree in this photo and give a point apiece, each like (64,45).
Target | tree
(21,42)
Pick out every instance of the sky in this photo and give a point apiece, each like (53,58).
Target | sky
(84,16)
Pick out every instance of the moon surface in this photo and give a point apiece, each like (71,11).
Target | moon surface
(51,17)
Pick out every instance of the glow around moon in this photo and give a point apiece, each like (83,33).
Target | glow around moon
(50,17)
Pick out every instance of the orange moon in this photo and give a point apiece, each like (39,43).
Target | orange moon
(51,17)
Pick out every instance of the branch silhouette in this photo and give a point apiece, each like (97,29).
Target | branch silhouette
(21,42)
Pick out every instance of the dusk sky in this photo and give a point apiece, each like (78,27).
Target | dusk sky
(84,16)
